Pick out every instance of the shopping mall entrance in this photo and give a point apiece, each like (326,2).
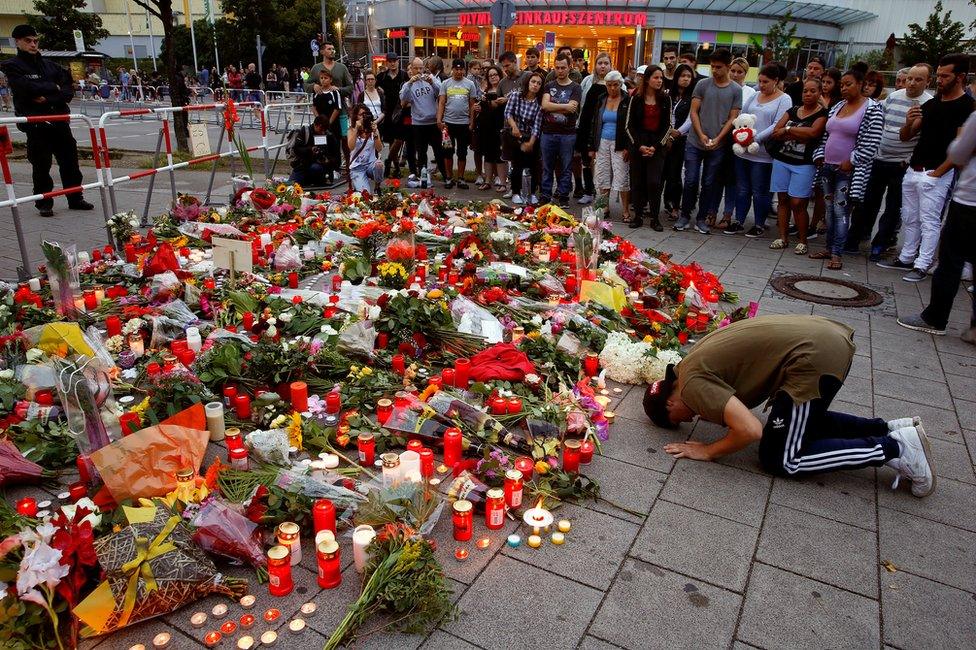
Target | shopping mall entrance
(618,42)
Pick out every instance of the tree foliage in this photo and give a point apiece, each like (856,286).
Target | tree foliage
(59,18)
(780,39)
(939,36)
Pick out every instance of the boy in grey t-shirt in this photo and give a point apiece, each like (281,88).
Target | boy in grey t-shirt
(455,114)
(715,102)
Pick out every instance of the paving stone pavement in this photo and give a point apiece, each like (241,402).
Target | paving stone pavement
(694,555)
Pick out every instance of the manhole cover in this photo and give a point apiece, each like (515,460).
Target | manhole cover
(826,291)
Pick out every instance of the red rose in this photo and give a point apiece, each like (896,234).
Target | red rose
(262,199)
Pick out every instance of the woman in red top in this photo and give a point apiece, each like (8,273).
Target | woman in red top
(648,136)
(235,81)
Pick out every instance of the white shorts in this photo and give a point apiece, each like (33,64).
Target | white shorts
(610,170)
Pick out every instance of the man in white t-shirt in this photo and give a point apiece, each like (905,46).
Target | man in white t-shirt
(888,168)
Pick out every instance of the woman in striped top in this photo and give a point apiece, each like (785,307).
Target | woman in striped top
(853,135)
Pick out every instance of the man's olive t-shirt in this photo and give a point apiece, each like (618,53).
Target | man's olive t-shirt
(756,358)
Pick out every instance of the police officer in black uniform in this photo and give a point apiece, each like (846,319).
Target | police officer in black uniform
(42,87)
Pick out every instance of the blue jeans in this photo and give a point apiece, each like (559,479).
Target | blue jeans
(752,185)
(835,184)
(695,159)
(557,146)
(311,176)
(364,176)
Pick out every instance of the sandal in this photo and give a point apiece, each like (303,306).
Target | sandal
(835,265)
(778,244)
(499,187)
(484,186)
(801,249)
(820,255)
(722,225)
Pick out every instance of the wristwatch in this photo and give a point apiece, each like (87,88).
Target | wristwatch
(788,127)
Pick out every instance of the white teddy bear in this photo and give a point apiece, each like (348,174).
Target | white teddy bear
(744,135)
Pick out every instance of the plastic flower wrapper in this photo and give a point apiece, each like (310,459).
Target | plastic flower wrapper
(358,339)
(471,318)
(300,481)
(550,285)
(269,446)
(85,390)
(222,530)
(17,470)
(408,502)
(62,272)
(151,567)
(287,257)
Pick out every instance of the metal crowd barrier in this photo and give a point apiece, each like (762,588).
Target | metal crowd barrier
(290,114)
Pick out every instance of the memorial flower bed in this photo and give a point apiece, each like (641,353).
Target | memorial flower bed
(365,363)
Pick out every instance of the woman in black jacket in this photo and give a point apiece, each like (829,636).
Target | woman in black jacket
(682,86)
(648,131)
(606,143)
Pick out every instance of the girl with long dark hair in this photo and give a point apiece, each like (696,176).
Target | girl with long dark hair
(648,133)
(683,84)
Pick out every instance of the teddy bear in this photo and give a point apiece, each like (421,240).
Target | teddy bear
(744,135)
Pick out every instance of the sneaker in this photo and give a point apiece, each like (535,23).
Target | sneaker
(507,194)
(413,181)
(915,275)
(449,184)
(875,255)
(461,185)
(915,461)
(534,200)
(733,228)
(545,200)
(919,325)
(896,264)
(517,199)
(586,199)
(812,235)
(756,231)
(480,180)
(904,423)
(702,227)
(682,224)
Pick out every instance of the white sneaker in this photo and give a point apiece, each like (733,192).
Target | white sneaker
(586,199)
(517,199)
(480,180)
(507,194)
(413,181)
(904,423)
(534,200)
(915,461)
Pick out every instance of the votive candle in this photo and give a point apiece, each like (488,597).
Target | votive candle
(299,396)
(362,536)
(242,405)
(215,420)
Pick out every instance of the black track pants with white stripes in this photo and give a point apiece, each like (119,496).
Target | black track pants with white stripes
(805,438)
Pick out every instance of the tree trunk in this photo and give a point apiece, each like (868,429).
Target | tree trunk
(177,86)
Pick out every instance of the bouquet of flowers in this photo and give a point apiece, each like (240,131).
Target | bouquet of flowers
(15,469)
(62,272)
(223,531)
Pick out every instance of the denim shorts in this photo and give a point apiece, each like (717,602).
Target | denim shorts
(795,180)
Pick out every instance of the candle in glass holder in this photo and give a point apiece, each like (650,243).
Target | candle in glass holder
(514,482)
(514,405)
(462,370)
(136,346)
(384,408)
(571,455)
(289,536)
(215,420)
(366,444)
(525,465)
(591,364)
(324,516)
(27,507)
(463,519)
(246,621)
(333,403)
(299,396)
(571,284)
(280,582)
(330,570)
(293,280)
(426,462)
(399,363)
(113,325)
(448,377)
(237,458)
(495,509)
(586,451)
(78,490)
(391,469)
(34,284)
(452,446)
(498,405)
(362,536)
(242,406)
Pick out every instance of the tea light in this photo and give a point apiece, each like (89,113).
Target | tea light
(272,615)
(210,639)
(44,505)
(296,625)
(246,642)
(609,416)
(564,525)
(618,390)
(558,538)
(534,541)
(483,543)
(247,602)
(137,646)
(247,621)
(603,401)
(219,610)
(308,609)
(162,640)
(198,619)
(64,496)
(461,554)
(228,628)
(269,638)
(514,540)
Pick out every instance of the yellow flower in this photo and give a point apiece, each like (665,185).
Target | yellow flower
(141,407)
(295,430)
(353,369)
(541,467)
(367,371)
(533,335)
(281,188)
(434,294)
(296,188)
(648,339)
(656,326)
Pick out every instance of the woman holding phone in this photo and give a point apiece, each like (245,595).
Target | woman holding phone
(365,144)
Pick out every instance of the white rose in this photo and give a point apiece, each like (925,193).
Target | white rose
(285,316)
(6,374)
(374,312)
(271,331)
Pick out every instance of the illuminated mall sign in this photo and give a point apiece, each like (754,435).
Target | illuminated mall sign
(531,18)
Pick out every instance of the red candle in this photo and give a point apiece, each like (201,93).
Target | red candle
(452,446)
(130,253)
(414,445)
(293,279)
(498,405)
(462,370)
(442,273)
(84,476)
(495,509)
(426,462)
(513,488)
(554,253)
(324,516)
(463,519)
(330,569)
(248,320)
(399,364)
(571,455)
(336,283)
(448,377)
(237,458)
(571,284)
(421,251)
(453,278)
(586,451)
(90,302)
(77,491)
(27,507)
(525,465)
(280,582)
(232,438)
(153,369)
(384,409)
(186,357)
(230,392)
(299,396)
(382,340)
(96,255)
(333,403)
(113,325)
(421,273)
(242,404)
(591,364)
(108,251)
(366,443)
(514,405)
